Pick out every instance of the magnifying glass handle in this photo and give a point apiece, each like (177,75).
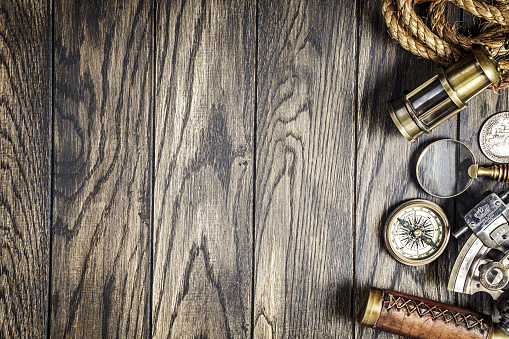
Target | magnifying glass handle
(495,172)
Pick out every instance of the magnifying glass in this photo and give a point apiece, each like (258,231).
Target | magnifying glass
(447,167)
(442,168)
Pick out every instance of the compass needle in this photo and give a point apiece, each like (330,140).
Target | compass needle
(416,232)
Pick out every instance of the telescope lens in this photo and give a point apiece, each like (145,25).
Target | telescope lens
(442,168)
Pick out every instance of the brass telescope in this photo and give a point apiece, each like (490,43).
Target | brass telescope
(444,95)
(419,318)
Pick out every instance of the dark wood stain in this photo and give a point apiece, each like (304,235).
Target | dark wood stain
(386,167)
(208,168)
(471,119)
(25,123)
(304,200)
(204,111)
(102,181)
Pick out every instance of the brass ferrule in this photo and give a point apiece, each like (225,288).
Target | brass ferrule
(497,333)
(444,95)
(495,172)
(371,307)
(371,315)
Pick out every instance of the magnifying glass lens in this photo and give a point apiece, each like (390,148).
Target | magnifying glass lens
(442,168)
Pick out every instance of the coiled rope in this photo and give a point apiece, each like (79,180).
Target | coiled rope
(443,43)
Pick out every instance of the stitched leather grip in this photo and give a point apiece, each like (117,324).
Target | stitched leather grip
(418,318)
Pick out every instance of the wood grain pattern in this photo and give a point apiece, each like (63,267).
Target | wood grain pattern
(304,169)
(203,169)
(471,120)
(25,122)
(386,167)
(221,169)
(102,194)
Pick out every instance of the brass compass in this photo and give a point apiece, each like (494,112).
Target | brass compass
(417,232)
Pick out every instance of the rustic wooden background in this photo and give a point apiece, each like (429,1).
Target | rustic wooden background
(207,169)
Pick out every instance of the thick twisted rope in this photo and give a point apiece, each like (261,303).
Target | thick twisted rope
(442,42)
(497,14)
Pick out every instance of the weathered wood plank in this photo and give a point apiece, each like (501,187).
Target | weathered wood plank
(304,169)
(386,167)
(25,126)
(203,168)
(102,195)
(471,120)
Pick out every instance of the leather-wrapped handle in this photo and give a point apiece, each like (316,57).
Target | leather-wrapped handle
(420,318)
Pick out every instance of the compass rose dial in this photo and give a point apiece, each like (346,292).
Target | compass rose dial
(417,232)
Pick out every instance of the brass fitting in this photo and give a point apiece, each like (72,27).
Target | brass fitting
(497,333)
(444,95)
(495,172)
(371,307)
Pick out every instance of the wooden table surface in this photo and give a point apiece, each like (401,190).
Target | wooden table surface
(208,169)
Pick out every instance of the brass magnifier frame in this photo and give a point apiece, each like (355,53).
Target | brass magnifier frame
(424,154)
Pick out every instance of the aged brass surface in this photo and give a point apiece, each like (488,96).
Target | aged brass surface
(497,333)
(414,317)
(439,147)
(495,172)
(371,307)
(419,203)
(403,120)
(489,66)
(444,95)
